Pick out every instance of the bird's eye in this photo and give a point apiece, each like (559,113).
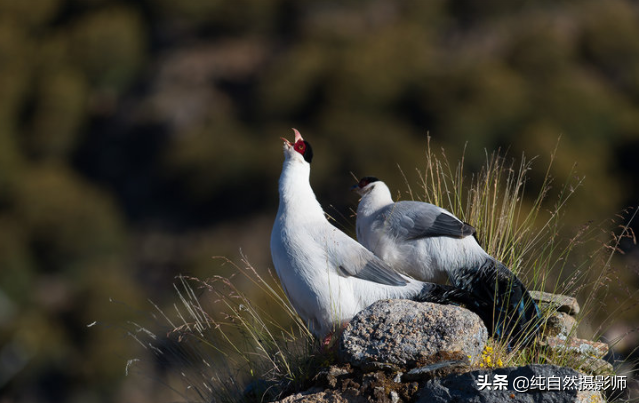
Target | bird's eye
(300,147)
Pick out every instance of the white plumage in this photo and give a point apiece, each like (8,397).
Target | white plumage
(328,277)
(429,243)
(419,239)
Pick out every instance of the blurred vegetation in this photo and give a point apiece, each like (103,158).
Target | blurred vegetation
(140,138)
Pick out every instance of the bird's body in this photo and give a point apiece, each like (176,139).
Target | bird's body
(418,239)
(430,244)
(327,276)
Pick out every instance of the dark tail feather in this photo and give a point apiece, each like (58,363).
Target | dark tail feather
(495,294)
(436,293)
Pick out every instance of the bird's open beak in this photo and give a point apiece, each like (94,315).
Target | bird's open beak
(288,143)
(298,137)
(354,187)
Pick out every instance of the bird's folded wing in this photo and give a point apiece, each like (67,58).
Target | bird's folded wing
(353,260)
(414,220)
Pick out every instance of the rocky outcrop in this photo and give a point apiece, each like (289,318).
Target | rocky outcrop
(400,351)
(559,339)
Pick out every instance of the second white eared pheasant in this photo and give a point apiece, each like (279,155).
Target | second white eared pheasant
(431,244)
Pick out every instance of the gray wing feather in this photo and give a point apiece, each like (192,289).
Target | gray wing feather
(356,261)
(414,220)
(373,271)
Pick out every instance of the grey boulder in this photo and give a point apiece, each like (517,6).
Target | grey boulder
(412,334)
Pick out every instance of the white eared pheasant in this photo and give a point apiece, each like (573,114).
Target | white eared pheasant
(429,243)
(328,277)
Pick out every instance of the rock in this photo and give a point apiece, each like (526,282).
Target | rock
(409,334)
(322,396)
(556,302)
(589,365)
(509,385)
(428,371)
(584,355)
(331,375)
(580,347)
(379,366)
(560,324)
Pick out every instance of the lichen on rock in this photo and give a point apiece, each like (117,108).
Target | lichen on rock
(409,334)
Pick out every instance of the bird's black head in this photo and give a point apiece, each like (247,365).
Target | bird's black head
(367,180)
(304,147)
(301,146)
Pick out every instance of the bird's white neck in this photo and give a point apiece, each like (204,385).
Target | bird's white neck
(378,197)
(296,195)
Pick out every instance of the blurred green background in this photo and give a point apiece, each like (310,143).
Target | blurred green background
(140,138)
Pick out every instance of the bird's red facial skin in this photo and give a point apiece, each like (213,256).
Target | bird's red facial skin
(363,183)
(300,147)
